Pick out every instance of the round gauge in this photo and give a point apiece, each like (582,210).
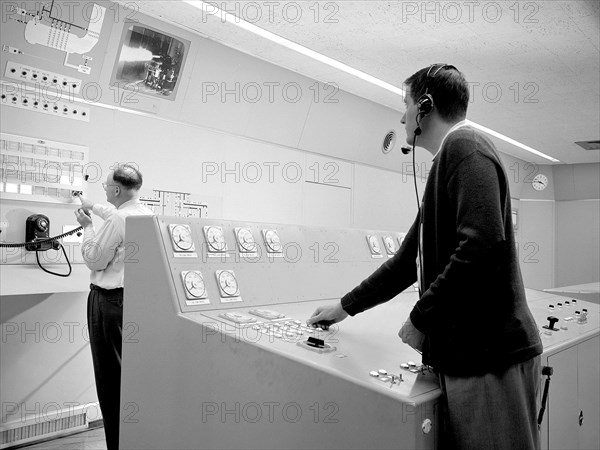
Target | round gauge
(540,182)
(194,284)
(272,240)
(182,237)
(228,283)
(389,244)
(374,243)
(246,240)
(401,240)
(215,238)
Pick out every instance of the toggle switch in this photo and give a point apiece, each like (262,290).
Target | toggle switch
(314,342)
(551,321)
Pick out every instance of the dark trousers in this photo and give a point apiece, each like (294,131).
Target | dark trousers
(105,323)
(495,411)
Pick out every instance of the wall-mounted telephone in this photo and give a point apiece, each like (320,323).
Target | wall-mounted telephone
(37,227)
(37,237)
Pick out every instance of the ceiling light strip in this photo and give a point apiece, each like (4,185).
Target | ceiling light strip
(510,141)
(234,20)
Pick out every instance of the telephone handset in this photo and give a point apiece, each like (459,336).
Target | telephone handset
(37,237)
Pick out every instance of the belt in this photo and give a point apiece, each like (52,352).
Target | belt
(93,287)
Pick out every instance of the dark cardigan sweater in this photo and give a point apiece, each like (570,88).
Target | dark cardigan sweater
(473,310)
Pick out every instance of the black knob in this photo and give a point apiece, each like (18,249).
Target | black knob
(551,321)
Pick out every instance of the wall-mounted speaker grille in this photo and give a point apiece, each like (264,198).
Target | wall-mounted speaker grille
(388,142)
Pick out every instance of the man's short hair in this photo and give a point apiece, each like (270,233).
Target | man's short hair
(128,176)
(448,88)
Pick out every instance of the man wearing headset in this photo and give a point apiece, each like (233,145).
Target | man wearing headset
(471,323)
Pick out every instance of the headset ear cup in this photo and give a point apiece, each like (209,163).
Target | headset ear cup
(425,104)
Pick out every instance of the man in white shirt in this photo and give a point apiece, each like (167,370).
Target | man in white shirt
(104,254)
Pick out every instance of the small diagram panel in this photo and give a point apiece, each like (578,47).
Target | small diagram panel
(374,246)
(50,26)
(195,288)
(272,241)
(228,286)
(245,240)
(215,239)
(390,245)
(181,237)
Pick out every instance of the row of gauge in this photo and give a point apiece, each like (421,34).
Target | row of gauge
(181,237)
(195,287)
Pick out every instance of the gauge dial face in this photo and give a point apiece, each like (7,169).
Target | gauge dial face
(194,284)
(227,283)
(272,240)
(181,235)
(390,245)
(374,244)
(540,182)
(401,240)
(215,239)
(245,240)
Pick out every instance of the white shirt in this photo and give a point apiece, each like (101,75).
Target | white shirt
(104,252)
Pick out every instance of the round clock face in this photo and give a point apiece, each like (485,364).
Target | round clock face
(182,237)
(540,182)
(272,240)
(389,244)
(246,240)
(374,243)
(215,238)
(228,283)
(194,284)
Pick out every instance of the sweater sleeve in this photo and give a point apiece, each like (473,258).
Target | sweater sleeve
(391,278)
(475,191)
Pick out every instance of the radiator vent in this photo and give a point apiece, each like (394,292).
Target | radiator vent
(36,431)
(589,145)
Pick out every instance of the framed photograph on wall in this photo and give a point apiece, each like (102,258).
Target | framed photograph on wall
(150,61)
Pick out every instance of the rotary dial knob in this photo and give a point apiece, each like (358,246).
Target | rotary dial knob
(181,236)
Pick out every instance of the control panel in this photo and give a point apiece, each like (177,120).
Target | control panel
(234,308)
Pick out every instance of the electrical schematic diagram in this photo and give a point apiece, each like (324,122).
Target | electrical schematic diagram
(49,28)
(171,203)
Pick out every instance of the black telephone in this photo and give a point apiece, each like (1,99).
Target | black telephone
(37,239)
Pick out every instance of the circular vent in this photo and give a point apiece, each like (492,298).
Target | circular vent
(388,142)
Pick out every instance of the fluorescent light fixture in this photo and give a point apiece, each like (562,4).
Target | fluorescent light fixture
(213,10)
(511,141)
(234,20)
